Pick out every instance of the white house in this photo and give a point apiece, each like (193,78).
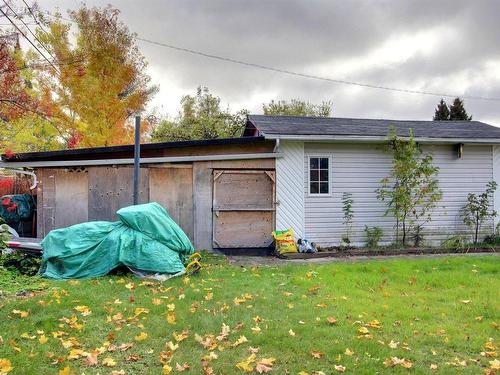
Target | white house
(284,172)
(320,158)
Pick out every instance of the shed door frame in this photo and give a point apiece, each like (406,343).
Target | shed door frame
(217,208)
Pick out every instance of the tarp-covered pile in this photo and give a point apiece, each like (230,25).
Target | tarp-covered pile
(145,239)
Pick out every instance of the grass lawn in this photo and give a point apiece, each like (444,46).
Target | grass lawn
(314,319)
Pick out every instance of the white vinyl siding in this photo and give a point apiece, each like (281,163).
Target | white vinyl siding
(290,188)
(358,169)
(496,177)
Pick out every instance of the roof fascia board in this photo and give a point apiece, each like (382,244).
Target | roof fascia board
(129,161)
(377,139)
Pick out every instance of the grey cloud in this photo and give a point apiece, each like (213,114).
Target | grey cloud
(298,35)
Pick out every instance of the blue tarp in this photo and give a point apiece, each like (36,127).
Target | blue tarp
(146,238)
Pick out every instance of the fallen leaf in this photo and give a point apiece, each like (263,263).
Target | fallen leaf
(43,339)
(181,336)
(167,369)
(246,365)
(181,368)
(495,364)
(240,341)
(363,330)
(108,362)
(316,354)
(91,359)
(5,366)
(262,369)
(349,352)
(393,344)
(291,333)
(339,368)
(171,317)
(21,313)
(395,361)
(331,320)
(141,336)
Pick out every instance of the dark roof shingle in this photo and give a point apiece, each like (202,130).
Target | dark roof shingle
(333,126)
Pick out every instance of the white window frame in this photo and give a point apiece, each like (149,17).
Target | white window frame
(323,156)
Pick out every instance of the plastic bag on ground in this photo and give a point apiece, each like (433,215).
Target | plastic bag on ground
(146,239)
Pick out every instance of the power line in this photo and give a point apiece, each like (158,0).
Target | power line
(34,17)
(311,76)
(31,32)
(28,39)
(302,75)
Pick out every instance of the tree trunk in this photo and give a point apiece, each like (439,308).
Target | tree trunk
(404,230)
(476,231)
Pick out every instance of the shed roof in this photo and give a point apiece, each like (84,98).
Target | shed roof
(355,128)
(126,151)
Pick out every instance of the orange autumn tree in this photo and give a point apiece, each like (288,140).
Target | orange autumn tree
(100,81)
(24,121)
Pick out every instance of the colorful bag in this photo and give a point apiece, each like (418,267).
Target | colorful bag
(285,241)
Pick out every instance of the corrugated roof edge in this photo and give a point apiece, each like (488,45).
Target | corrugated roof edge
(32,156)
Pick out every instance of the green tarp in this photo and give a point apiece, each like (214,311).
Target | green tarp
(145,239)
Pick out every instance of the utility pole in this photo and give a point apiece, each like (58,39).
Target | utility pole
(137,158)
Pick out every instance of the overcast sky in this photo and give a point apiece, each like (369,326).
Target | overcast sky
(428,45)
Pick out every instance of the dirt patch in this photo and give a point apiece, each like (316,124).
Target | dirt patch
(255,261)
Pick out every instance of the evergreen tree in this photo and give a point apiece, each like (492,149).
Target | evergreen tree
(442,112)
(458,112)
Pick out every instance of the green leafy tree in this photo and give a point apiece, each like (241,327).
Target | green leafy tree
(297,108)
(411,190)
(458,112)
(477,209)
(200,117)
(442,112)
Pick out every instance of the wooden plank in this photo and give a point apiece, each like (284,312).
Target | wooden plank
(244,189)
(234,229)
(49,201)
(173,189)
(202,205)
(71,197)
(39,203)
(111,188)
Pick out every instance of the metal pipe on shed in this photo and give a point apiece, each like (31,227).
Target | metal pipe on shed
(137,158)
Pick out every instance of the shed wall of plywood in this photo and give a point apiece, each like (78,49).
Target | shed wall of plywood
(185,191)
(72,198)
(112,188)
(173,189)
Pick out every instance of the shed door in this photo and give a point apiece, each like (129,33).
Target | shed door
(243,208)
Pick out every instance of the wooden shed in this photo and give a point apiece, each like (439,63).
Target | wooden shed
(221,192)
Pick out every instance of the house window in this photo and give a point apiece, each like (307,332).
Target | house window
(319,175)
